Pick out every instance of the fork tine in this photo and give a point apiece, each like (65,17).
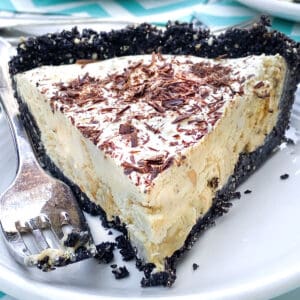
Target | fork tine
(22,227)
(64,218)
(43,222)
(57,231)
(39,238)
(16,245)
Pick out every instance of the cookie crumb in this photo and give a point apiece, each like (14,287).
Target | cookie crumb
(120,272)
(248,192)
(289,141)
(195,266)
(235,195)
(105,252)
(284,176)
(125,247)
(165,278)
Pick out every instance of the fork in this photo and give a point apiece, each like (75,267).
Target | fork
(41,222)
(14,36)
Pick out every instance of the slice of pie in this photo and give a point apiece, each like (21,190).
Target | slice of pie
(157,142)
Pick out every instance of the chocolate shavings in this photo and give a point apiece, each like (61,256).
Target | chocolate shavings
(126,128)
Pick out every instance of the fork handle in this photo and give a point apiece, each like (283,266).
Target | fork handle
(10,107)
(15,23)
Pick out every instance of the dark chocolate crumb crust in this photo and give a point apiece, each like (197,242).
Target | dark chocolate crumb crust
(126,250)
(69,46)
(105,252)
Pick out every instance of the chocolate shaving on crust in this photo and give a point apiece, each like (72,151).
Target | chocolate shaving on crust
(178,38)
(149,127)
(153,165)
(126,128)
(155,160)
(134,139)
(171,103)
(259,85)
(92,134)
(181,118)
(156,106)
(216,73)
(129,167)
(123,110)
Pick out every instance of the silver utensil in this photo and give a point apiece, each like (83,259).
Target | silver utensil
(41,222)
(197,22)
(14,33)
(16,20)
(9,24)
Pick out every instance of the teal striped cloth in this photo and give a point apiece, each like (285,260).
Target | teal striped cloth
(215,14)
(5,297)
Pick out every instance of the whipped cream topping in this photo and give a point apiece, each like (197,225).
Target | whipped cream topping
(143,111)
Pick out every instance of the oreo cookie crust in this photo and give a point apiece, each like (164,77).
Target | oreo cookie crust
(67,47)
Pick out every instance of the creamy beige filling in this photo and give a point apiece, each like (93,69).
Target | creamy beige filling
(159,221)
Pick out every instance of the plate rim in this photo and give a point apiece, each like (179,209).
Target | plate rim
(32,289)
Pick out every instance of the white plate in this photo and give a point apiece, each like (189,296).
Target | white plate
(252,253)
(278,8)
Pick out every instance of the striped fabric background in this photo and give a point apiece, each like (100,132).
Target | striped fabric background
(219,13)
(4,297)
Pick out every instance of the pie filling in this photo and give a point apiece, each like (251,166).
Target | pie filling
(152,138)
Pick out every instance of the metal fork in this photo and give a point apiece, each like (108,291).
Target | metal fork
(36,205)
(196,20)
(13,34)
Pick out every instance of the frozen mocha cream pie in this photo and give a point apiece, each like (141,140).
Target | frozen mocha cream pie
(155,129)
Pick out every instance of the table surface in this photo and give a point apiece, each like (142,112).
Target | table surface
(157,12)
